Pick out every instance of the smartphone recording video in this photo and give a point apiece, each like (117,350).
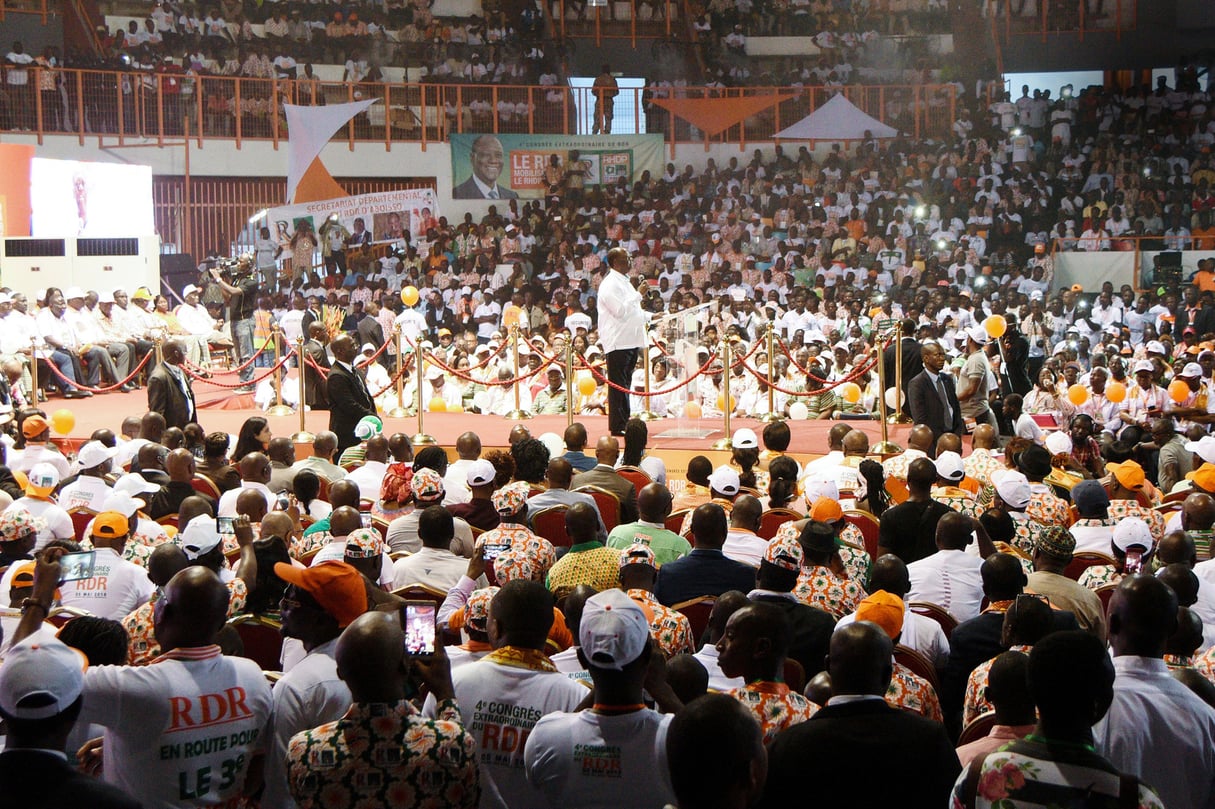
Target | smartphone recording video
(418,621)
(77,566)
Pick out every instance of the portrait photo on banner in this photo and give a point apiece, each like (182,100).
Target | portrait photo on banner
(532,166)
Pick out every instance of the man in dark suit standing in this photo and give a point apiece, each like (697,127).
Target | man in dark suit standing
(706,571)
(837,753)
(40,700)
(487,158)
(912,362)
(349,398)
(604,476)
(931,396)
(169,391)
(314,382)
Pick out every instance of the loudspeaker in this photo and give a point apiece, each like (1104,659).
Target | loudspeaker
(177,270)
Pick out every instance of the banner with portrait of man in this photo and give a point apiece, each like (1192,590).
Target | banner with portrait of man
(385,216)
(532,166)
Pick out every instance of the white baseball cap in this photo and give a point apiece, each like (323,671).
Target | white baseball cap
(614,631)
(185,293)
(1204,448)
(1156,347)
(724,480)
(1132,531)
(481,472)
(978,334)
(73,292)
(744,438)
(42,677)
(123,503)
(94,453)
(199,537)
(1192,370)
(1013,488)
(1144,365)
(1058,442)
(949,466)
(133,483)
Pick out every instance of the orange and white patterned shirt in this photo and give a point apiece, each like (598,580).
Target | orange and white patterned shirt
(1048,508)
(775,705)
(671,629)
(912,692)
(1121,509)
(975,704)
(819,586)
(980,463)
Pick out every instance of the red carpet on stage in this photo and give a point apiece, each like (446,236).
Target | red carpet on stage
(220,409)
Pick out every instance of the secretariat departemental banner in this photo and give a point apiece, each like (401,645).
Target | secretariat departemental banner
(515,166)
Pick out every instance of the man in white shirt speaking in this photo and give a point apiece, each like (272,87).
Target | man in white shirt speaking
(622,333)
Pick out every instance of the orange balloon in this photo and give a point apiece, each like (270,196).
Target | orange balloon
(438,405)
(995,326)
(409,295)
(1178,391)
(62,421)
(1115,392)
(850,392)
(1077,394)
(456,408)
(586,385)
(721,402)
(692,410)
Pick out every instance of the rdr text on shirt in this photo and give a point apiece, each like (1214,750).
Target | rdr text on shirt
(598,760)
(210,760)
(501,731)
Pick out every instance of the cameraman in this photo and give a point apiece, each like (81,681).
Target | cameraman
(241,296)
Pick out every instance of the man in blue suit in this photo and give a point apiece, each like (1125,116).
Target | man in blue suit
(705,571)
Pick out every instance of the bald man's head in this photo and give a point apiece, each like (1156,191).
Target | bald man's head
(377,449)
(746,512)
(325,445)
(193,609)
(370,657)
(1177,547)
(860,660)
(835,436)
(1198,512)
(1142,615)
(468,446)
(920,438)
(949,442)
(255,467)
(984,437)
(251,503)
(607,450)
(953,531)
(856,442)
(654,502)
(180,466)
(575,437)
(343,520)
(344,493)
(889,573)
(276,524)
(559,473)
(281,450)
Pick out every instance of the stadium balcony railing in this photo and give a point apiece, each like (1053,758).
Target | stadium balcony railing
(1045,17)
(160,106)
(43,8)
(1097,263)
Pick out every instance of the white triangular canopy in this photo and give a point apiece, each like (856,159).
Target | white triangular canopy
(838,119)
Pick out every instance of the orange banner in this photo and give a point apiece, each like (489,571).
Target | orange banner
(15,211)
(715,115)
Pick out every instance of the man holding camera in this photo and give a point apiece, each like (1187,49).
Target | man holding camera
(241,296)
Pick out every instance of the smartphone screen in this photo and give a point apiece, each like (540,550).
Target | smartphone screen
(365,518)
(224,526)
(418,621)
(77,566)
(492,551)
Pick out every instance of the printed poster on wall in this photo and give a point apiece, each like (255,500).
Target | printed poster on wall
(385,216)
(515,166)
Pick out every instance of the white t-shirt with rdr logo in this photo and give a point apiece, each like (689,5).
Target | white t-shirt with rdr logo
(500,705)
(116,589)
(600,761)
(182,730)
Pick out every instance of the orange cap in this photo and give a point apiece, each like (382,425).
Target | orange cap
(827,510)
(884,609)
(336,586)
(1129,474)
(110,525)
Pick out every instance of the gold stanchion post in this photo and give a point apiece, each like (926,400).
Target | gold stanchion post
(569,384)
(400,411)
(280,408)
(646,414)
(898,416)
(420,437)
(885,446)
(726,442)
(303,436)
(160,350)
(771,415)
(518,413)
(34,371)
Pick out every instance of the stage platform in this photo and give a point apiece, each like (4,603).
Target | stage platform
(221,410)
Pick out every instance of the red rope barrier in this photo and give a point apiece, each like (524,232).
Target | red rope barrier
(81,386)
(255,380)
(598,375)
(853,375)
(191,366)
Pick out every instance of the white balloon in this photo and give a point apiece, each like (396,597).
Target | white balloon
(554,442)
(798,410)
(894,398)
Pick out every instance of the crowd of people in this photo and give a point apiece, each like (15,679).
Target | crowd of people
(560,622)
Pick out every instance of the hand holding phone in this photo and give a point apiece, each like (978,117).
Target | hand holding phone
(418,619)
